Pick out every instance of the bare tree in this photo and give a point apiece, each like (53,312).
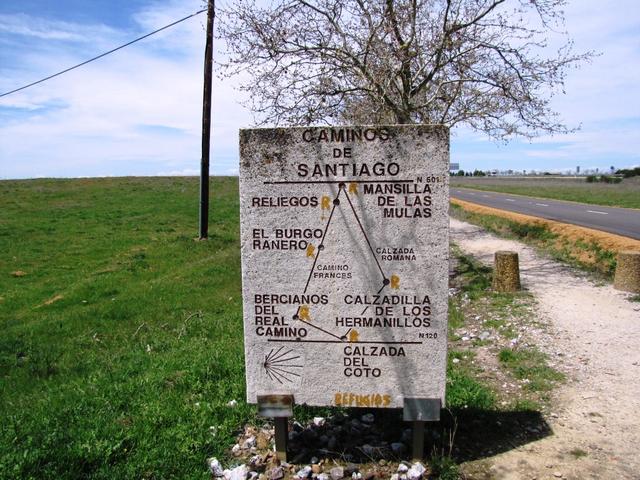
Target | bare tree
(483,63)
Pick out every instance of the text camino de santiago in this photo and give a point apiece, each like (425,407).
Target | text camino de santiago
(415,201)
(344,169)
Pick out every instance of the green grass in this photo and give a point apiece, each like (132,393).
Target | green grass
(475,277)
(122,342)
(122,375)
(528,231)
(503,307)
(530,364)
(526,405)
(625,194)
(456,317)
(578,453)
(443,467)
(463,390)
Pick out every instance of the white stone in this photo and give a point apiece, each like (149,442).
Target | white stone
(215,467)
(336,473)
(232,403)
(304,472)
(402,468)
(338,223)
(416,471)
(239,473)
(249,442)
(236,449)
(319,421)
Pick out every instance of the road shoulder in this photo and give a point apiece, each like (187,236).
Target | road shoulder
(596,430)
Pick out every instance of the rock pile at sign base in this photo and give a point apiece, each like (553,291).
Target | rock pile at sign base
(352,439)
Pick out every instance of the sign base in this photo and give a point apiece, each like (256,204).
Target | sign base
(421,409)
(280,408)
(418,411)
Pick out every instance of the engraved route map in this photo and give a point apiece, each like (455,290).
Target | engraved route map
(345,263)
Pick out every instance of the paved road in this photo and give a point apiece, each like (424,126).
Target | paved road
(621,221)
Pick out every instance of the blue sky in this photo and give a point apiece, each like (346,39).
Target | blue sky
(137,112)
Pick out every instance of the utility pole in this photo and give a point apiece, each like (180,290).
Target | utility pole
(206,124)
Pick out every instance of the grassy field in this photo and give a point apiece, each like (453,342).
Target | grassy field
(121,335)
(121,338)
(625,194)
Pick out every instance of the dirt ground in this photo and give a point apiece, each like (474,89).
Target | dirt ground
(595,337)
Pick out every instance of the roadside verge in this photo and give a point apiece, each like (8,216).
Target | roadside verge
(592,338)
(584,247)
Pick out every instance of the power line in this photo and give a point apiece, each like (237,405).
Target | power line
(104,54)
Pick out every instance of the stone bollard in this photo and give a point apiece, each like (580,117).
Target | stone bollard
(506,274)
(627,276)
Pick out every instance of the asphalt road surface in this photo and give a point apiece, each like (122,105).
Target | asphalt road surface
(621,221)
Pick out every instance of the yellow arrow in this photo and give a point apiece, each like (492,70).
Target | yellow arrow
(395,282)
(303,313)
(353,188)
(311,251)
(353,336)
(325,204)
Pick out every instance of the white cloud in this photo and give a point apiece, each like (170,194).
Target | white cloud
(602,97)
(138,111)
(185,172)
(42,28)
(135,112)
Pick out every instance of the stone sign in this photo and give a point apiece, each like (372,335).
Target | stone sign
(345,253)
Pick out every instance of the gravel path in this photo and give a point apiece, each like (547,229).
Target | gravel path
(596,333)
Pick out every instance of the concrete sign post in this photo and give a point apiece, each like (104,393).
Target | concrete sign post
(345,265)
